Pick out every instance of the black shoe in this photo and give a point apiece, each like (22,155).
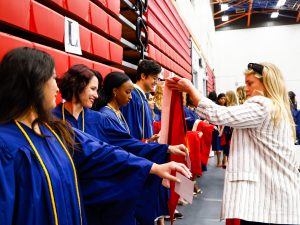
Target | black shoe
(178,215)
(168,218)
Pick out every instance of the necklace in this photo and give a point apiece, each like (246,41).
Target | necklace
(63,115)
(48,178)
(119,115)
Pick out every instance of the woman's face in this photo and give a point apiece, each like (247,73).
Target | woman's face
(222,101)
(254,86)
(50,92)
(89,93)
(151,101)
(122,94)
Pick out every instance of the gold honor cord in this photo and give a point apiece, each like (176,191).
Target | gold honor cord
(44,169)
(74,169)
(143,132)
(63,115)
(122,117)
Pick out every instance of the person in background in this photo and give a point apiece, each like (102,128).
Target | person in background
(138,113)
(262,177)
(49,167)
(217,133)
(241,94)
(225,140)
(158,96)
(296,115)
(151,102)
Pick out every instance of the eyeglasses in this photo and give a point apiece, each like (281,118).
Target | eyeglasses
(256,68)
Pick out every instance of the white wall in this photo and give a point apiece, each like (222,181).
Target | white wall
(234,49)
(198,16)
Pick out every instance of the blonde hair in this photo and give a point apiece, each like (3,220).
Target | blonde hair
(158,96)
(241,94)
(275,89)
(231,98)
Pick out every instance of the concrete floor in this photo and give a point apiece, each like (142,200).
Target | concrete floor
(206,207)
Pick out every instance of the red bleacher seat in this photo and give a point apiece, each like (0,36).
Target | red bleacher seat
(9,42)
(114,6)
(85,39)
(100,46)
(114,28)
(151,35)
(74,59)
(15,12)
(99,17)
(79,7)
(116,53)
(61,58)
(46,22)
(102,68)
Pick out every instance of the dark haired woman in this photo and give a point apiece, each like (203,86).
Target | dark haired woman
(40,168)
(79,88)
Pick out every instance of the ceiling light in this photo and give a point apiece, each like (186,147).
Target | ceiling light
(280,3)
(224,7)
(274,14)
(225,18)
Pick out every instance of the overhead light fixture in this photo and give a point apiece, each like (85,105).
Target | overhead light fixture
(280,3)
(224,18)
(224,7)
(274,14)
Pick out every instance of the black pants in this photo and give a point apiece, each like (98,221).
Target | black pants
(244,222)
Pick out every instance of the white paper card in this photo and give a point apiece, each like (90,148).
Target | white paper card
(72,37)
(185,188)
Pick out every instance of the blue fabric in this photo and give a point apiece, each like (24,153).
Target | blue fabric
(105,126)
(133,113)
(157,114)
(216,146)
(24,195)
(190,117)
(296,116)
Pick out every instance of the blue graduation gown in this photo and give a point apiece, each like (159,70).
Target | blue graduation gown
(190,117)
(101,169)
(106,126)
(157,114)
(133,113)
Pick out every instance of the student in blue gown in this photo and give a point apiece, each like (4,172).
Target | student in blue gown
(117,89)
(138,113)
(79,87)
(44,177)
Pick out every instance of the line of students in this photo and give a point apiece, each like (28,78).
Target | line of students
(51,173)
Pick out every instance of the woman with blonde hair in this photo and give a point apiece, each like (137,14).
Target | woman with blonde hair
(158,96)
(241,94)
(262,181)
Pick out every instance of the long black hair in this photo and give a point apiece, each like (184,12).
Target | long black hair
(111,81)
(23,74)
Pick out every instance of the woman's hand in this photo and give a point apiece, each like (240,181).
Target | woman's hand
(178,150)
(164,170)
(184,85)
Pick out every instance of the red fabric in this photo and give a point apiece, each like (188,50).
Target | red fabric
(194,142)
(206,140)
(223,140)
(176,135)
(156,127)
(232,221)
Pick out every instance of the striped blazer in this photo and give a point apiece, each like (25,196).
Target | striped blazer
(262,181)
